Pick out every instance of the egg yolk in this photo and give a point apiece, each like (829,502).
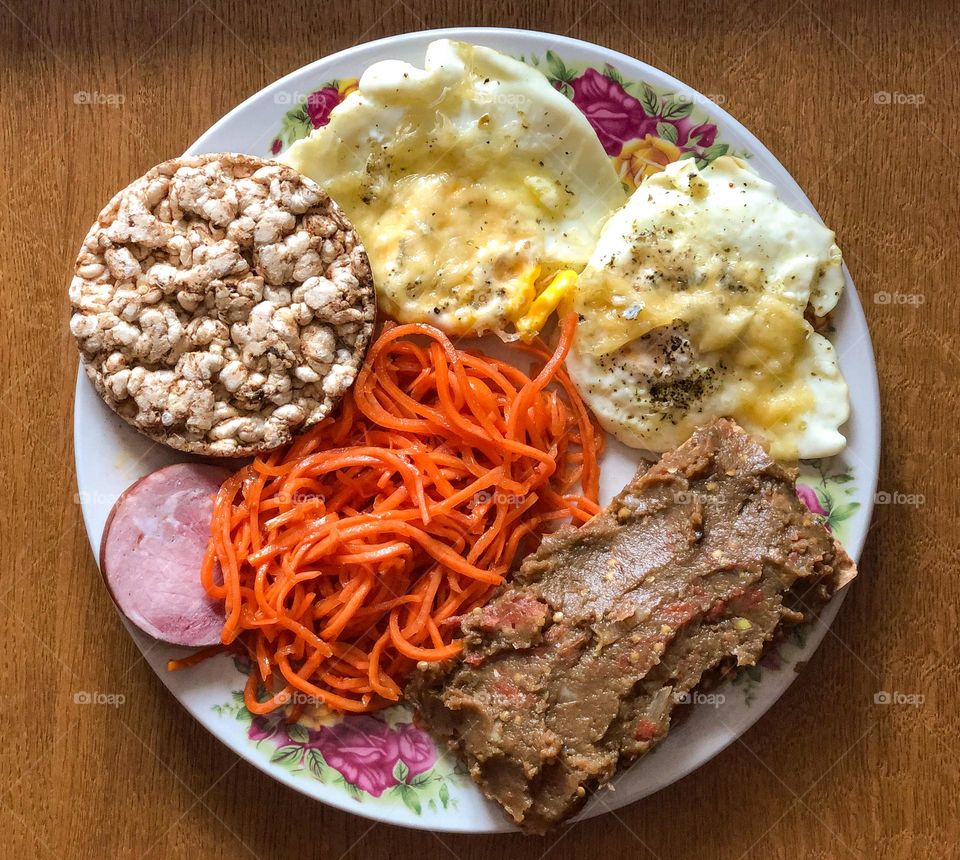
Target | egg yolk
(452,221)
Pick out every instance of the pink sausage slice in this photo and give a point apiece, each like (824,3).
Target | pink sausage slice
(152,548)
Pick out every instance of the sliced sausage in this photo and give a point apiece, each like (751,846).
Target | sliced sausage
(152,548)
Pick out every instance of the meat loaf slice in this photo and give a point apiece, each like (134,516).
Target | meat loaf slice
(576,666)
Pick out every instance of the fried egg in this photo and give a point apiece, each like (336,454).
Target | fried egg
(473,184)
(694,305)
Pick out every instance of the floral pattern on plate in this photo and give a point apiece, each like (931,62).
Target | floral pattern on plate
(374,757)
(642,129)
(826,487)
(311,112)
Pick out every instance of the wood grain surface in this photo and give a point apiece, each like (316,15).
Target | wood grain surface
(827,773)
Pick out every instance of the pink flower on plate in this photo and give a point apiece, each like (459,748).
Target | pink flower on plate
(269,726)
(703,135)
(324,100)
(416,748)
(320,103)
(809,497)
(615,115)
(363,750)
(366,750)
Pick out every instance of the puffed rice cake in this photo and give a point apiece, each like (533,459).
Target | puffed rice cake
(222,303)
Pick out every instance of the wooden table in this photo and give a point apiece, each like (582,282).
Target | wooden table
(827,773)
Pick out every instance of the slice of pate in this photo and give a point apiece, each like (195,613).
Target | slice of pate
(575,668)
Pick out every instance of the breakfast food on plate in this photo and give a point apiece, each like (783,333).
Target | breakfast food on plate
(153,544)
(575,667)
(418,523)
(222,303)
(473,183)
(694,306)
(349,556)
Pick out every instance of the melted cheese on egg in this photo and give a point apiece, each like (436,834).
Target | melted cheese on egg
(693,307)
(471,182)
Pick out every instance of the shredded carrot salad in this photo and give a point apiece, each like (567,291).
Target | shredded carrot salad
(349,556)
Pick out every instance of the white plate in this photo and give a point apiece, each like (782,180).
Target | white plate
(383,769)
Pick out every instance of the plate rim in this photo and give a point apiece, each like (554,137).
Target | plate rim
(867,425)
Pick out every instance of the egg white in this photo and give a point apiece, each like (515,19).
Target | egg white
(692,307)
(470,181)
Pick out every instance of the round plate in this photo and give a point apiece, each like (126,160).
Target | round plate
(382,766)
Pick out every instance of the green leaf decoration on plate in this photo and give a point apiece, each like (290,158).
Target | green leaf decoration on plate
(295,125)
(649,101)
(287,755)
(557,68)
(614,75)
(317,766)
(298,733)
(838,513)
(667,131)
(677,108)
(410,798)
(715,151)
